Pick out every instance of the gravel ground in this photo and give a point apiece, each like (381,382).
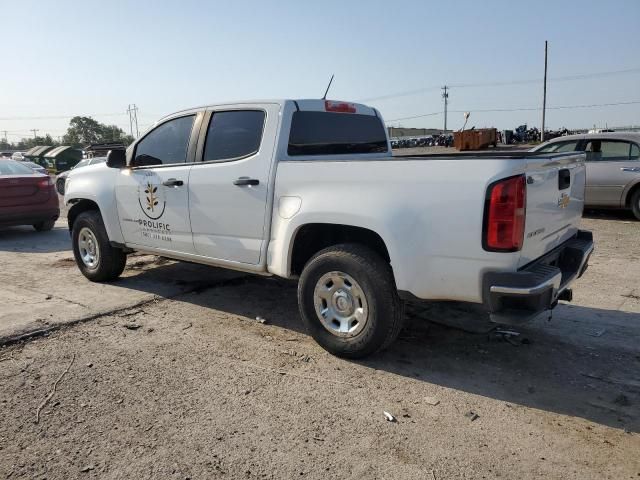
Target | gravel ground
(195,387)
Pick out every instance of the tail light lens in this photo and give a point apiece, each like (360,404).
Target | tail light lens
(45,183)
(504,215)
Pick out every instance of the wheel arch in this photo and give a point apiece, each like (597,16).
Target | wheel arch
(79,206)
(310,238)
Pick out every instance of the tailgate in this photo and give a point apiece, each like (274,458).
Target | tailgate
(23,190)
(555,199)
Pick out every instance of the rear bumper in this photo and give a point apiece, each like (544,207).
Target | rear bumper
(30,218)
(516,297)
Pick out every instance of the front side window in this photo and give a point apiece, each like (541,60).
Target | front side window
(233,134)
(166,144)
(328,133)
(607,150)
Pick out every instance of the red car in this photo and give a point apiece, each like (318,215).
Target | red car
(26,197)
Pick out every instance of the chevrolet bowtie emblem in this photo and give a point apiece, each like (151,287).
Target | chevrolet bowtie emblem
(564,200)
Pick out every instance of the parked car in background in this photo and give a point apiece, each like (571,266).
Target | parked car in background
(36,167)
(6,154)
(19,156)
(613,167)
(26,197)
(62,178)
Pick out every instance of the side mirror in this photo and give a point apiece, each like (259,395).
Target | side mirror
(116,159)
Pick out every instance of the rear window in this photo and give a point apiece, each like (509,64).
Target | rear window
(9,167)
(326,133)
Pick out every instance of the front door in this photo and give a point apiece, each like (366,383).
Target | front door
(606,178)
(153,195)
(230,183)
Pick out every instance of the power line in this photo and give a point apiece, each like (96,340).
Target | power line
(581,76)
(518,109)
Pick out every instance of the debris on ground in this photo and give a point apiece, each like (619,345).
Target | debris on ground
(471,415)
(261,320)
(389,417)
(53,389)
(132,326)
(431,401)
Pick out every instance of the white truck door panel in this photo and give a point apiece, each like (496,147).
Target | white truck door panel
(153,195)
(154,213)
(229,182)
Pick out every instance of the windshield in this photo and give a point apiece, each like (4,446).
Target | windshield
(9,167)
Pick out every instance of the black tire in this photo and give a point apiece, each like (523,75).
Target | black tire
(111,261)
(60,185)
(44,226)
(375,278)
(635,203)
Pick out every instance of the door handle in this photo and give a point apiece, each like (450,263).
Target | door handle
(630,169)
(246,181)
(172,182)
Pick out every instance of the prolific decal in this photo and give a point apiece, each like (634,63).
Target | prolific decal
(151,199)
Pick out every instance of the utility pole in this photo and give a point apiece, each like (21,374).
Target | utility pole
(132,110)
(544,94)
(35,130)
(5,137)
(445,95)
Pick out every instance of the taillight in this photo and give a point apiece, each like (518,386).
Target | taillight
(45,183)
(504,215)
(343,107)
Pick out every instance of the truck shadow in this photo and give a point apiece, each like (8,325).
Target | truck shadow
(26,240)
(584,363)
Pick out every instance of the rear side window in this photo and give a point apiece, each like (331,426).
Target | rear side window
(233,134)
(635,152)
(607,150)
(326,133)
(166,144)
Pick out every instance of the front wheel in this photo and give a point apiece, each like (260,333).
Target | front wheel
(635,203)
(95,257)
(348,301)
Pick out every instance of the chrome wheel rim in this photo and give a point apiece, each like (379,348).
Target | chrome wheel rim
(88,248)
(340,304)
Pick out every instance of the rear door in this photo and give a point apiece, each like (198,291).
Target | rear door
(229,183)
(606,174)
(152,196)
(555,200)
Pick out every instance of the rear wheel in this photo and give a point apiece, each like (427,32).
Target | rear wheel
(95,257)
(635,203)
(44,226)
(348,301)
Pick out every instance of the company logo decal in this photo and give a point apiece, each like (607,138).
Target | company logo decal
(151,200)
(563,201)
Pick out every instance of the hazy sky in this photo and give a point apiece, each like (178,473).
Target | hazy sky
(64,58)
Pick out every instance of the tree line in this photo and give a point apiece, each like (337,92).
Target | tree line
(82,131)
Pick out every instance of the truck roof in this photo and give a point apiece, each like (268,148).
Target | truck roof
(314,104)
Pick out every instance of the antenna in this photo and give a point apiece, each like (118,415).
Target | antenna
(328,87)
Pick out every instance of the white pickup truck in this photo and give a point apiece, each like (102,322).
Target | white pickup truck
(310,190)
